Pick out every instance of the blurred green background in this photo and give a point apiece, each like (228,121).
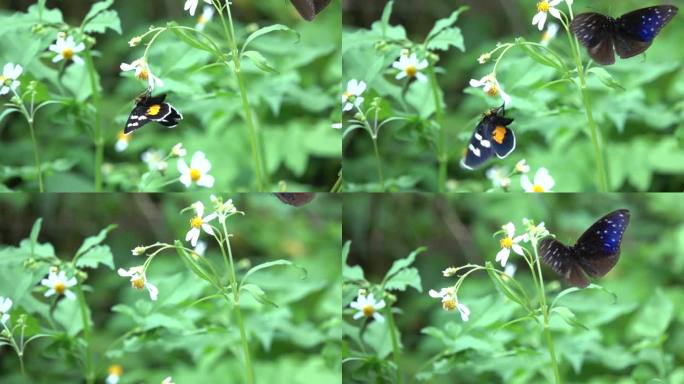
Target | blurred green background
(637,339)
(193,342)
(294,107)
(641,124)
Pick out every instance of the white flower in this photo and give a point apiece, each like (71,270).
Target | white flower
(66,49)
(135,41)
(59,284)
(484,58)
(450,302)
(143,72)
(410,67)
(139,280)
(510,241)
(549,34)
(168,380)
(205,17)
(201,248)
(499,177)
(155,160)
(197,172)
(191,6)
(199,222)
(337,126)
(8,79)
(223,209)
(139,250)
(543,182)
(115,372)
(510,270)
(449,272)
(491,87)
(539,231)
(122,141)
(5,306)
(544,7)
(352,96)
(178,150)
(522,166)
(368,307)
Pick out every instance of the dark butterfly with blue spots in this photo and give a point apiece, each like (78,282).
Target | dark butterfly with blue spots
(630,34)
(309,9)
(491,137)
(295,199)
(595,253)
(148,108)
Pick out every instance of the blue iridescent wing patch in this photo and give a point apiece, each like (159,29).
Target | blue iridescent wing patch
(491,137)
(595,253)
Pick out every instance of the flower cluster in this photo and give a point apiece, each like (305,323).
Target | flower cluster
(5,306)
(510,242)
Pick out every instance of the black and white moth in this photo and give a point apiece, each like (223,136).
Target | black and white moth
(148,108)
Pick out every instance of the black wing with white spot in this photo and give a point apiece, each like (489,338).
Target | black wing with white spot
(563,260)
(645,24)
(155,109)
(598,249)
(479,147)
(595,32)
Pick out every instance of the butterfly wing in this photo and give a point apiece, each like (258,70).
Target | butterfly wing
(598,249)
(595,32)
(479,147)
(295,199)
(637,29)
(310,8)
(503,141)
(137,118)
(562,259)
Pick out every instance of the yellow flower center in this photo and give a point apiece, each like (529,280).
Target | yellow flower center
(202,20)
(506,242)
(115,370)
(196,222)
(138,282)
(411,71)
(346,95)
(449,304)
(144,74)
(195,174)
(368,310)
(493,90)
(60,287)
(546,36)
(3,79)
(543,6)
(67,53)
(537,188)
(153,110)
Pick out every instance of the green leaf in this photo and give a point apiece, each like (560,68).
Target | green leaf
(35,231)
(575,289)
(266,30)
(190,40)
(444,24)
(404,278)
(92,241)
(97,8)
(260,61)
(99,254)
(450,37)
(400,264)
(272,264)
(350,273)
(507,288)
(654,317)
(606,78)
(568,316)
(258,294)
(104,20)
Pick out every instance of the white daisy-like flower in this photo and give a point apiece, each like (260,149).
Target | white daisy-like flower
(366,306)
(549,34)
(201,248)
(206,16)
(5,306)
(178,150)
(499,177)
(139,280)
(58,283)
(543,182)
(352,96)
(537,230)
(8,78)
(510,241)
(115,371)
(155,160)
(522,167)
(490,85)
(142,72)
(543,8)
(410,67)
(199,221)
(223,209)
(450,302)
(67,49)
(510,270)
(122,141)
(191,6)
(167,380)
(197,172)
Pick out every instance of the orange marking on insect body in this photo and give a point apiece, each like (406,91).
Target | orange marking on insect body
(499,134)
(153,110)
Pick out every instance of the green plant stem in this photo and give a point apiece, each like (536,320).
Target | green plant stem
(396,353)
(90,373)
(442,157)
(378,162)
(545,311)
(338,184)
(98,139)
(36,156)
(261,176)
(238,313)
